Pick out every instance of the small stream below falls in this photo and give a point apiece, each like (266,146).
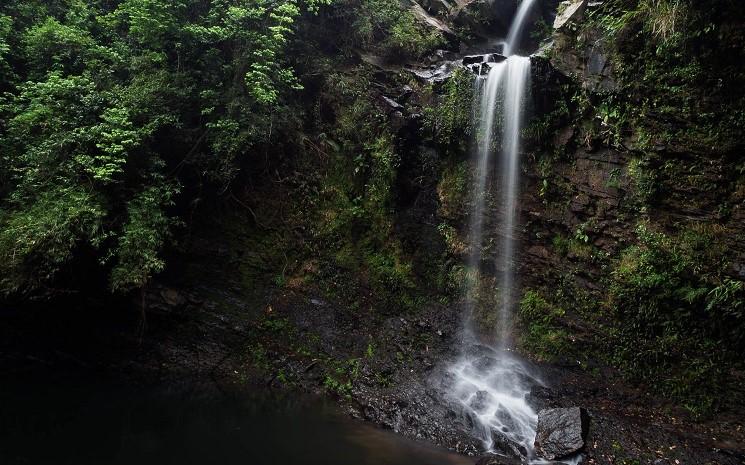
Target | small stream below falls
(82,422)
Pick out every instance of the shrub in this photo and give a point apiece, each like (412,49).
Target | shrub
(543,334)
(390,29)
(678,318)
(451,116)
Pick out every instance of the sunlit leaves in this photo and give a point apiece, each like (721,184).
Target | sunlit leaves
(6,23)
(55,46)
(113,137)
(150,22)
(38,238)
(110,103)
(142,238)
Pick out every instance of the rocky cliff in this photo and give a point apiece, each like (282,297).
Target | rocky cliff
(337,264)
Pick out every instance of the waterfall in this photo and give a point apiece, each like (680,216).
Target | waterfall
(517,27)
(490,384)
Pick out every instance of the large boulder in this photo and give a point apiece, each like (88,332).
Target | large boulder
(429,21)
(570,12)
(591,64)
(561,432)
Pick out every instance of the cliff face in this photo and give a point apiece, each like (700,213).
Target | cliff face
(631,239)
(632,251)
(632,217)
(336,260)
(633,199)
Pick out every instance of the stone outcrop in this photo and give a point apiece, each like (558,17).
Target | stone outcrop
(561,432)
(428,20)
(590,65)
(570,12)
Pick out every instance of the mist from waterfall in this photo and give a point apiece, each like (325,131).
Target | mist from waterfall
(490,383)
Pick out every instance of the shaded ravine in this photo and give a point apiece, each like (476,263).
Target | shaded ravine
(490,383)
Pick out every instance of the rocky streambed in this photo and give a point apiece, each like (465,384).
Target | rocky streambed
(388,371)
(391,372)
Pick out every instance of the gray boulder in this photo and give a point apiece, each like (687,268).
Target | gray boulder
(569,12)
(561,432)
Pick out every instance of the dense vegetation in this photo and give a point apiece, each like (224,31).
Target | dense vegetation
(120,120)
(117,118)
(669,311)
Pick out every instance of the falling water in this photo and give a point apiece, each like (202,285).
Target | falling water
(517,27)
(491,385)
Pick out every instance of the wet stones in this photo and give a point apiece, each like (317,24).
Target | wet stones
(484,363)
(485,58)
(561,432)
(496,460)
(481,64)
(480,401)
(504,444)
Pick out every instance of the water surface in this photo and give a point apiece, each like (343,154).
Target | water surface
(82,422)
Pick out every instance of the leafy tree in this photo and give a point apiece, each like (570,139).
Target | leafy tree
(110,106)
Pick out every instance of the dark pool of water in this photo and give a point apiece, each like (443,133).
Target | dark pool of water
(88,423)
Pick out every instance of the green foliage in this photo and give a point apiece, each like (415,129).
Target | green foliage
(679,68)
(454,243)
(540,128)
(679,318)
(388,27)
(352,212)
(453,190)
(543,334)
(277,326)
(6,26)
(341,375)
(392,279)
(52,46)
(142,237)
(340,388)
(643,182)
(38,239)
(370,351)
(106,108)
(670,314)
(541,31)
(576,246)
(663,18)
(451,116)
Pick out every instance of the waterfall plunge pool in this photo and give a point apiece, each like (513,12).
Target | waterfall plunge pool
(85,422)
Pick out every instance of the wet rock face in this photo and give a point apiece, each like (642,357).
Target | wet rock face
(496,460)
(490,19)
(561,432)
(591,64)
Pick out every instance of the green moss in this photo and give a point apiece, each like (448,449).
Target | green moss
(643,182)
(577,246)
(543,335)
(450,117)
(391,280)
(340,374)
(672,57)
(678,319)
(453,190)
(389,28)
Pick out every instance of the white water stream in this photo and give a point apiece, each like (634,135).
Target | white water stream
(490,383)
